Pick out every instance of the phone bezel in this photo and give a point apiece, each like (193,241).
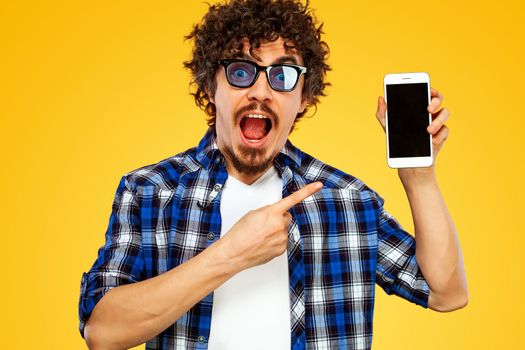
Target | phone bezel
(408,162)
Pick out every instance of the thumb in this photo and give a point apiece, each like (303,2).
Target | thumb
(381,111)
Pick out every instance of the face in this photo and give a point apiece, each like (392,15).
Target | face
(241,132)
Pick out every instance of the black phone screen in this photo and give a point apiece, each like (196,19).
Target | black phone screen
(408,120)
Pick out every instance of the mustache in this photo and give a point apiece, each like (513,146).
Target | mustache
(258,106)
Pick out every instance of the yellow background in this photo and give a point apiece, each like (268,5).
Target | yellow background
(93,89)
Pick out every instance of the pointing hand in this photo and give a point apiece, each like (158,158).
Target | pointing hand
(262,234)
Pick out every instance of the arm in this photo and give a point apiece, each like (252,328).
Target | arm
(438,252)
(118,307)
(131,314)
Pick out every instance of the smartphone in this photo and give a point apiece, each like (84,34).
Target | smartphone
(408,142)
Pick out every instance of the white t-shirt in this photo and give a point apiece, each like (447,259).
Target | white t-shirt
(251,310)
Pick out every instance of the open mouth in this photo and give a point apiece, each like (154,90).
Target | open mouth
(255,127)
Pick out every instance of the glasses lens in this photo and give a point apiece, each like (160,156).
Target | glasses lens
(283,77)
(241,73)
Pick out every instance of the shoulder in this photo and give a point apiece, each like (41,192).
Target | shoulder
(164,174)
(313,169)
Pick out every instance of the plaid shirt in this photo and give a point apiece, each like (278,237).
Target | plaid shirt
(341,242)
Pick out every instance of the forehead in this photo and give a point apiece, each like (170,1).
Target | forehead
(270,52)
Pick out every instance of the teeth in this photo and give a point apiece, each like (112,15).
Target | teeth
(260,116)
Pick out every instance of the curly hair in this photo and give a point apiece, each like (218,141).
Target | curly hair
(225,26)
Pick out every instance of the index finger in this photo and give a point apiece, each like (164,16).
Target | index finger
(298,196)
(436,93)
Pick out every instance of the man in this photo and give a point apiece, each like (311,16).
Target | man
(246,242)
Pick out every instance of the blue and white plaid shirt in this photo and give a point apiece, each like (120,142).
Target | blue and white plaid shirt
(341,242)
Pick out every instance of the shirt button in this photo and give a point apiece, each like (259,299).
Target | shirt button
(211,236)
(217,187)
(201,339)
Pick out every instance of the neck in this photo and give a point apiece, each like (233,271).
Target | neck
(244,177)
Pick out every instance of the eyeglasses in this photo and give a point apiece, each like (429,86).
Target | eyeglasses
(244,73)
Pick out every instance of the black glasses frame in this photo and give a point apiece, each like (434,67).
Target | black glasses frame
(299,69)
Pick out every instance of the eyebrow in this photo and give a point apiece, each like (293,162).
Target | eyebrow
(280,60)
(286,59)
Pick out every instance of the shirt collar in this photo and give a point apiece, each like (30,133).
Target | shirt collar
(208,152)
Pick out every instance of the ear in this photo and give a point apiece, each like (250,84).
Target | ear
(304,102)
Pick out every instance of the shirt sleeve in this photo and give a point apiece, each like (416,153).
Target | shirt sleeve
(120,260)
(397,270)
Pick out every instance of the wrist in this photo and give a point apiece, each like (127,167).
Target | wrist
(222,255)
(417,176)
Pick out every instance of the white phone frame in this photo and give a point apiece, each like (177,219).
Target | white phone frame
(408,162)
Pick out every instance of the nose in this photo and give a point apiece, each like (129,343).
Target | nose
(261,89)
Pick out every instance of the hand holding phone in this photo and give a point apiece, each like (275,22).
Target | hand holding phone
(407,97)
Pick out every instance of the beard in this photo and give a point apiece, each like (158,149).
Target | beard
(251,161)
